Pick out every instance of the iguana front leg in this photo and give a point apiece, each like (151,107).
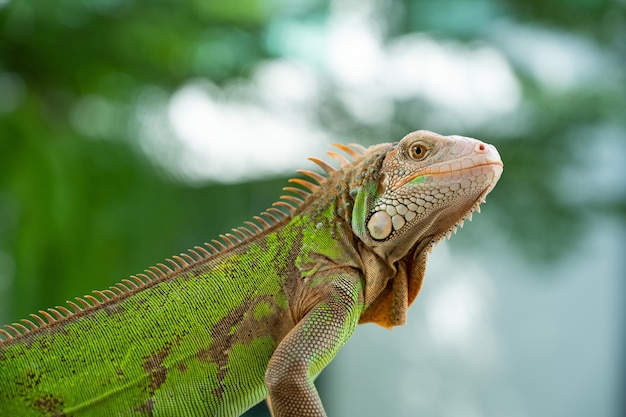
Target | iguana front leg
(310,346)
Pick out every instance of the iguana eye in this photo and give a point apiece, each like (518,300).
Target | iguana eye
(417,151)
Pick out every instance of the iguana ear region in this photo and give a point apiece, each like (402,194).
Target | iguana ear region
(364,199)
(380,225)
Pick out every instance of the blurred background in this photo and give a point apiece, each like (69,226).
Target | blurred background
(133,130)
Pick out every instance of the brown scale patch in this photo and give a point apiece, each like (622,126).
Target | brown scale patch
(222,337)
(146,408)
(248,329)
(204,354)
(30,381)
(49,405)
(290,272)
(153,365)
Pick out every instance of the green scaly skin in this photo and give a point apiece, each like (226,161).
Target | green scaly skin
(260,313)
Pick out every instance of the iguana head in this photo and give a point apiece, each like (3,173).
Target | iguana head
(420,190)
(428,185)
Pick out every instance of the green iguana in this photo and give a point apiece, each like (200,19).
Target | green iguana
(260,312)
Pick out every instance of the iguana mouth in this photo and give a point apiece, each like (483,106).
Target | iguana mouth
(438,174)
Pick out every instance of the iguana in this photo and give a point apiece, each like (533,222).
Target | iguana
(261,311)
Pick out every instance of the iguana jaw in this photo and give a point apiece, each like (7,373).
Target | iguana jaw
(439,225)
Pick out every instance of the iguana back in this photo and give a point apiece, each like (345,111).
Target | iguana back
(265,308)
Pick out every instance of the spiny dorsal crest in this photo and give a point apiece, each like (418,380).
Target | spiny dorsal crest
(177,264)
